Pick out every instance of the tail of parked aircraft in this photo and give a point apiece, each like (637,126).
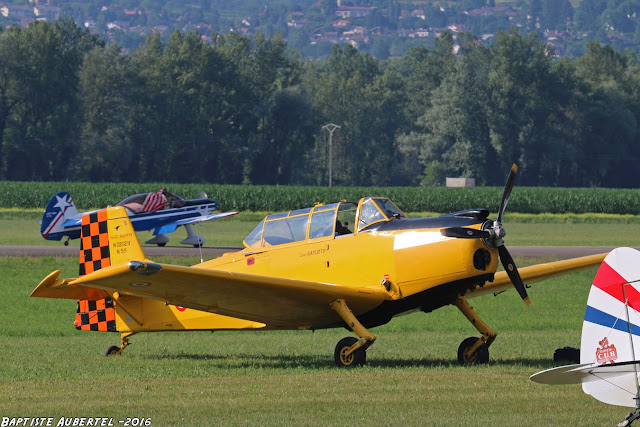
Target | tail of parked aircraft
(59,210)
(609,369)
(107,237)
(611,328)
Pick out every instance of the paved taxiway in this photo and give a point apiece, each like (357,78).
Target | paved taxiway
(209,252)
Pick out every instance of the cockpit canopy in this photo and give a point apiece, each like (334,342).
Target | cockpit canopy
(173,200)
(322,222)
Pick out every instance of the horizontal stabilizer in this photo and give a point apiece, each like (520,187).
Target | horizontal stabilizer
(76,222)
(52,287)
(585,372)
(569,374)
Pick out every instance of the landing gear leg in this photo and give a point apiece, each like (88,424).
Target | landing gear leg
(351,352)
(192,237)
(66,242)
(114,349)
(634,416)
(474,350)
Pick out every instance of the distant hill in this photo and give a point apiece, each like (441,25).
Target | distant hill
(383,28)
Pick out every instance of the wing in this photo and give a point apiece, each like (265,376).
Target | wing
(538,272)
(170,228)
(277,302)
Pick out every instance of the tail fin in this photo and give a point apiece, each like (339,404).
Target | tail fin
(611,328)
(107,238)
(59,209)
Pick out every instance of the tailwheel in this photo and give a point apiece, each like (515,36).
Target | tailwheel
(480,355)
(113,350)
(344,360)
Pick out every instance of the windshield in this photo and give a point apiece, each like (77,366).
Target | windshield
(389,208)
(378,209)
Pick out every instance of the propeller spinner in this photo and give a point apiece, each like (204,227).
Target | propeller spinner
(493,234)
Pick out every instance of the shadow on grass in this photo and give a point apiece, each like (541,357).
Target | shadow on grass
(243,360)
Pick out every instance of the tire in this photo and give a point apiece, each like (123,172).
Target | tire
(481,355)
(357,358)
(113,350)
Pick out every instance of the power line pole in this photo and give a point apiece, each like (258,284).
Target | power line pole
(330,127)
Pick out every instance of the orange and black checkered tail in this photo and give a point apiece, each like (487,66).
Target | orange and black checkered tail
(107,238)
(95,254)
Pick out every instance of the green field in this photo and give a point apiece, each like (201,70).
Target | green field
(49,369)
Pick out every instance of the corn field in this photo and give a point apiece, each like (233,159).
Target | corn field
(526,200)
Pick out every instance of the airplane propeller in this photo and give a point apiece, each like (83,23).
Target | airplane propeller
(493,236)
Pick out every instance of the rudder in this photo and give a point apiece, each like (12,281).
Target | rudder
(611,328)
(59,209)
(107,237)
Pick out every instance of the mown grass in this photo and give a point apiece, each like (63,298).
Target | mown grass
(47,368)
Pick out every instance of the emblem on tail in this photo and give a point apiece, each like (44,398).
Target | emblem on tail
(59,210)
(606,353)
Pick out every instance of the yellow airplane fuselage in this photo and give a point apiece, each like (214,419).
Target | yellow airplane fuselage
(406,263)
(411,261)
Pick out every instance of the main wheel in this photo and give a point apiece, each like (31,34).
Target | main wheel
(481,355)
(114,349)
(357,358)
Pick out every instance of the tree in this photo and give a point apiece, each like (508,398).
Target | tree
(10,94)
(455,139)
(42,139)
(110,92)
(588,12)
(519,100)
(601,63)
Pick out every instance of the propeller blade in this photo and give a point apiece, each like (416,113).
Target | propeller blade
(507,191)
(512,272)
(464,233)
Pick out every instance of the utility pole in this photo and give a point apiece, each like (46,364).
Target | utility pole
(330,127)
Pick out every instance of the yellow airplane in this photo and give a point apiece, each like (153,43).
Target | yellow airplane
(329,266)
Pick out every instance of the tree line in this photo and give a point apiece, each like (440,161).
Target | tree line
(251,111)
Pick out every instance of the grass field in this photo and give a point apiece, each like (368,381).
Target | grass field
(49,369)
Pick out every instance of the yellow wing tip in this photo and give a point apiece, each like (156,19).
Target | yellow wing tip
(514,168)
(527,301)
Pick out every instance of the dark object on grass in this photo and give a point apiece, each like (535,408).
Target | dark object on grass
(567,353)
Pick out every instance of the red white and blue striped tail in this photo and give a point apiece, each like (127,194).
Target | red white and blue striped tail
(611,328)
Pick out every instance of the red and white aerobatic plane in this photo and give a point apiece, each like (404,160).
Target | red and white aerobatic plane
(609,368)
